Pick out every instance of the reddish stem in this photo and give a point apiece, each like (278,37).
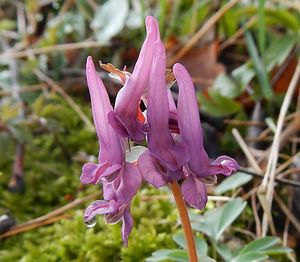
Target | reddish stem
(188,233)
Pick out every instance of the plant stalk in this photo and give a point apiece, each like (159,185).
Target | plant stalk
(186,224)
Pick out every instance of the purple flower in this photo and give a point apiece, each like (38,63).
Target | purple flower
(124,118)
(174,135)
(120,180)
(123,178)
(163,161)
(111,155)
(114,211)
(199,167)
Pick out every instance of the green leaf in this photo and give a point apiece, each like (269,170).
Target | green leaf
(284,17)
(216,221)
(277,250)
(232,182)
(175,255)
(110,19)
(201,245)
(250,257)
(261,27)
(279,50)
(218,105)
(230,22)
(180,240)
(159,255)
(260,244)
(243,75)
(228,214)
(178,255)
(224,252)
(259,67)
(278,16)
(166,254)
(190,20)
(205,259)
(275,55)
(226,86)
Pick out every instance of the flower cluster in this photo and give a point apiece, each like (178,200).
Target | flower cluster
(173,133)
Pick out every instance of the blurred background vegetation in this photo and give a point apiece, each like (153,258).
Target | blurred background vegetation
(242,56)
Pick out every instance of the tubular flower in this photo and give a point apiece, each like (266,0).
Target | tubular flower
(111,153)
(163,161)
(199,168)
(174,135)
(125,118)
(121,180)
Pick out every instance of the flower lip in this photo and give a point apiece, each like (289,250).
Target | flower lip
(93,173)
(114,218)
(225,165)
(100,207)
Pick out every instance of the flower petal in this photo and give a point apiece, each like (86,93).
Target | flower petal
(109,191)
(101,207)
(175,175)
(115,217)
(160,141)
(171,102)
(110,147)
(119,126)
(129,96)
(194,192)
(151,170)
(129,183)
(126,226)
(189,120)
(209,180)
(224,165)
(92,173)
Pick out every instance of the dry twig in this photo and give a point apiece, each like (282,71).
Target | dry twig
(267,187)
(69,99)
(203,30)
(287,212)
(49,49)
(49,218)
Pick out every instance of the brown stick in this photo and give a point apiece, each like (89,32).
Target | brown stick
(49,218)
(243,123)
(24,89)
(49,49)
(267,185)
(30,227)
(287,212)
(65,95)
(238,33)
(203,30)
